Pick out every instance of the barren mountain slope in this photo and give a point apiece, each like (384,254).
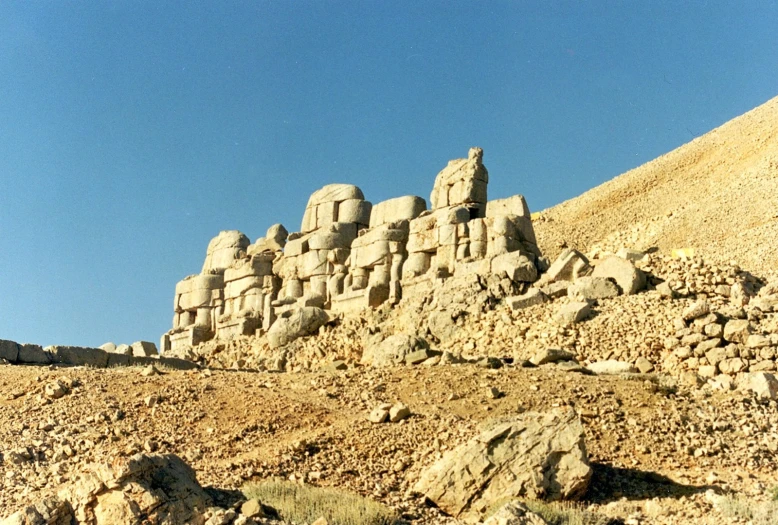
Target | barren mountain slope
(717,194)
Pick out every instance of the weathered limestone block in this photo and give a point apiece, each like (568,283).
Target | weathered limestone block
(424,241)
(514,206)
(332,236)
(629,279)
(144,348)
(589,288)
(570,265)
(532,455)
(78,356)
(392,350)
(296,246)
(417,264)
(531,298)
(355,211)
(9,350)
(197,291)
(324,207)
(572,313)
(33,354)
(223,249)
(273,241)
(296,323)
(462,181)
(737,331)
(516,266)
(313,263)
(397,209)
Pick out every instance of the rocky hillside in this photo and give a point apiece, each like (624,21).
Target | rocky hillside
(717,194)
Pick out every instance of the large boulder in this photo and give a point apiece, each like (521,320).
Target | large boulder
(296,323)
(532,455)
(9,350)
(392,350)
(629,279)
(159,489)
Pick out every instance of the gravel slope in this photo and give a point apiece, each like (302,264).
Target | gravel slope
(717,194)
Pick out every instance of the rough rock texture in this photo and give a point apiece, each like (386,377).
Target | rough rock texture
(296,323)
(392,350)
(532,455)
(514,513)
(159,489)
(590,288)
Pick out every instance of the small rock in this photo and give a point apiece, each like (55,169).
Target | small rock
(55,390)
(644,366)
(398,412)
(494,393)
(380,413)
(695,310)
(150,370)
(252,509)
(610,367)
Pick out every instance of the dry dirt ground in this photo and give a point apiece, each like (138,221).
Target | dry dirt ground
(656,447)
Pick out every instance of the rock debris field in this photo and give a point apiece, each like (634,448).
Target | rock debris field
(609,360)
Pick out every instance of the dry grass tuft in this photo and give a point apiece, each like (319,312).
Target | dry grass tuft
(305,504)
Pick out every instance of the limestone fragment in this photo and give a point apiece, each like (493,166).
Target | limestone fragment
(502,462)
(572,313)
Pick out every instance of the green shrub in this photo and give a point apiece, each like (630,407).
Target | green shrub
(305,503)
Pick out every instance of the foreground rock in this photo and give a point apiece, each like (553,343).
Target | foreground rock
(159,489)
(515,513)
(532,455)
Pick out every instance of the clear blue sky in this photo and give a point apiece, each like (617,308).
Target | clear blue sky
(131,132)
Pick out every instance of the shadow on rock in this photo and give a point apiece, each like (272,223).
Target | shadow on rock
(613,483)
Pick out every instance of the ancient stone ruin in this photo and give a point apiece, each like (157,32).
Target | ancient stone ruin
(350,254)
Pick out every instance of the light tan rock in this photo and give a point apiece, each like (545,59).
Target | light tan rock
(516,266)
(296,323)
(531,298)
(629,279)
(515,513)
(392,350)
(572,313)
(591,288)
(397,209)
(503,461)
(763,384)
(610,367)
(570,265)
(737,330)
(223,249)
